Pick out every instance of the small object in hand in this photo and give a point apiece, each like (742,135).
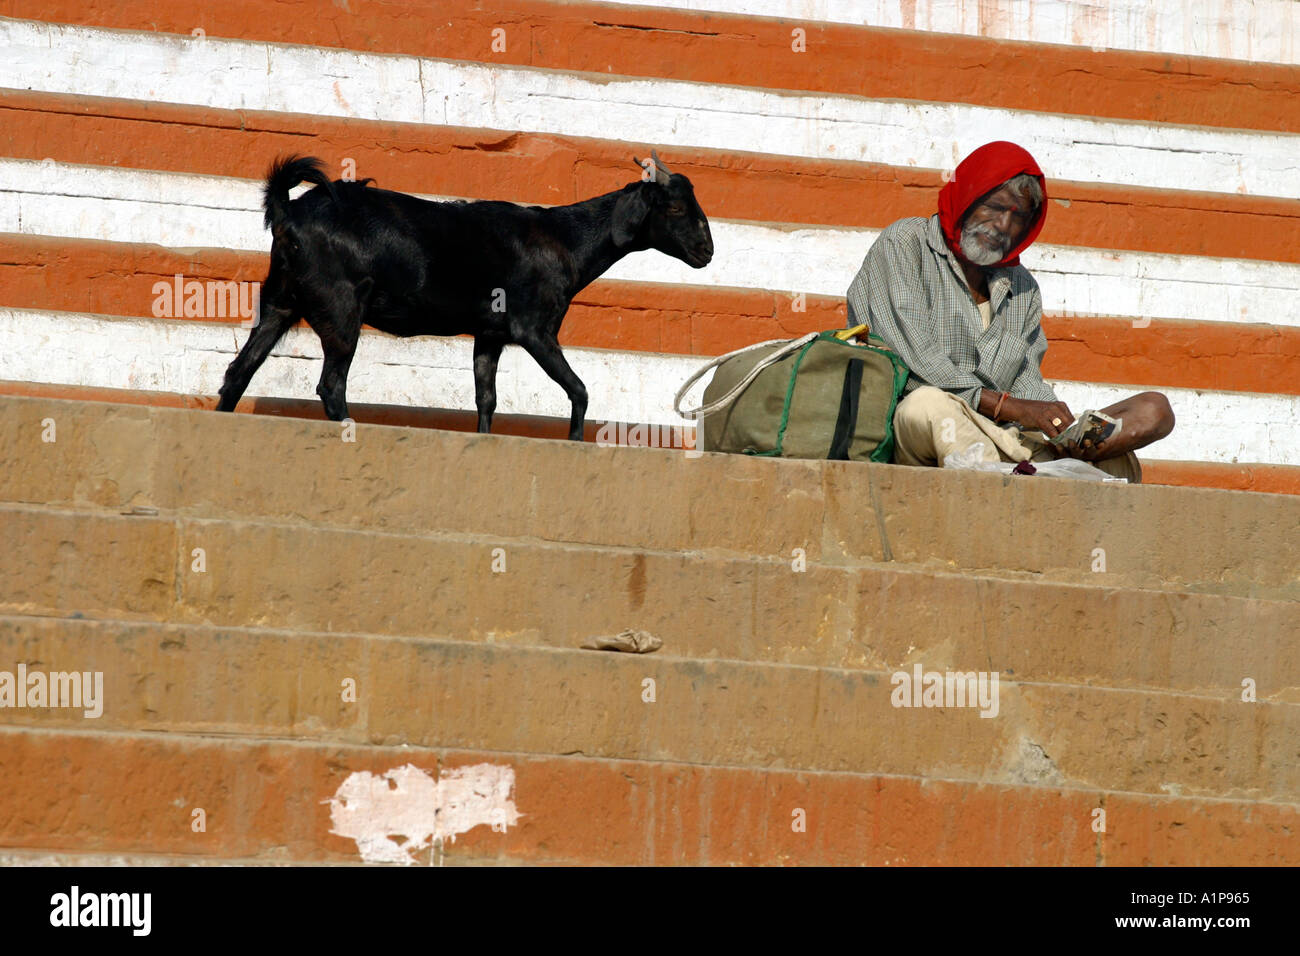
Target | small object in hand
(1096,432)
(1089,430)
(631,641)
(1056,422)
(1024,468)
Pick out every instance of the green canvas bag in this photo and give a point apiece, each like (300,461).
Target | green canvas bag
(818,396)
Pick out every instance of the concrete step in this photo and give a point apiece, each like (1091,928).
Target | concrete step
(250,683)
(835,513)
(453,577)
(1228,476)
(127,795)
(709,606)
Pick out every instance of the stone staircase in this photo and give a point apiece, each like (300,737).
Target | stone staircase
(322,646)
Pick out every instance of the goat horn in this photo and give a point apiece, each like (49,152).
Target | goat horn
(654,154)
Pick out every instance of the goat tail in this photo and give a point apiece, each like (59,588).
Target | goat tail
(287,172)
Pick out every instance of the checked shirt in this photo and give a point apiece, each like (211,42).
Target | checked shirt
(911,292)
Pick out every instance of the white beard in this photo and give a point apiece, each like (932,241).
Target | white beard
(976,251)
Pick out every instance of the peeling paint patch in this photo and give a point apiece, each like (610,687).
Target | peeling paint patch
(1031,765)
(395,815)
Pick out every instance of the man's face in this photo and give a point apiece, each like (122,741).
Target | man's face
(995,225)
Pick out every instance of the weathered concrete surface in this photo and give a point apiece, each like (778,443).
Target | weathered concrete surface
(838,513)
(545,701)
(448,586)
(267,801)
(453,576)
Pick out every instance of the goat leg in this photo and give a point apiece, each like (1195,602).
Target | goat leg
(273,321)
(546,351)
(487,351)
(339,328)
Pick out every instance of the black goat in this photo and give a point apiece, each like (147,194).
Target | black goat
(344,255)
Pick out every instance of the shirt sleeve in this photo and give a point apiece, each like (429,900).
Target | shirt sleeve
(887,295)
(1029,382)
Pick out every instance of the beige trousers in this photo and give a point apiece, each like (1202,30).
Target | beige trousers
(931,423)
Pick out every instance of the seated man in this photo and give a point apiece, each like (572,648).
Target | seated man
(949,295)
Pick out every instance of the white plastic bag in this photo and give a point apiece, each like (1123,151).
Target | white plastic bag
(972,459)
(1071,468)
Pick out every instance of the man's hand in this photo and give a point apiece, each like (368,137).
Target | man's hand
(1051,418)
(1096,453)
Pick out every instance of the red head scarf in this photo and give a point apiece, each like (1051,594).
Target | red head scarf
(983,171)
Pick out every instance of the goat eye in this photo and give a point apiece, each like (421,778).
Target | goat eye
(677,209)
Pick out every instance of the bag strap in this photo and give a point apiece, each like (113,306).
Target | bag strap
(846,420)
(790,346)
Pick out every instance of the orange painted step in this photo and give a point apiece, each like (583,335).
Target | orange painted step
(69,275)
(547,169)
(118,793)
(749,51)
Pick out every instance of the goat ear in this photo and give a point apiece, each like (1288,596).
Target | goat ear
(629,213)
